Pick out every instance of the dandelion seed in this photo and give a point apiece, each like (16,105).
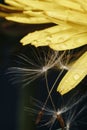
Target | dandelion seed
(35,65)
(40,114)
(49,113)
(66,115)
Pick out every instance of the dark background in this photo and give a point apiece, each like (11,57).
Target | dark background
(14,98)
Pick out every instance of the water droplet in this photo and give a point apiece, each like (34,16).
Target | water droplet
(76,76)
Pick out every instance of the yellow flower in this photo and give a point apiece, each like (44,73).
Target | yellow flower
(70,31)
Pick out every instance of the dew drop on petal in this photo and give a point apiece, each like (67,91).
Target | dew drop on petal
(76,76)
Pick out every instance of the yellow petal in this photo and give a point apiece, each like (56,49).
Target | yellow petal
(68,15)
(40,38)
(83,4)
(8,9)
(34,13)
(70,4)
(13,3)
(27,20)
(74,76)
(58,37)
(3,14)
(65,35)
(73,42)
(35,4)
